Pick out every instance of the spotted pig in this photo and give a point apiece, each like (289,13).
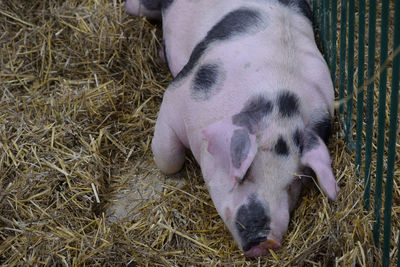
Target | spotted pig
(252,98)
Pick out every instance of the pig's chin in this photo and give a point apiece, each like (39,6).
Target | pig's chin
(262,248)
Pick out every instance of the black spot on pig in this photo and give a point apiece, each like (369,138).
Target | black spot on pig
(237,22)
(252,223)
(301,5)
(323,128)
(281,148)
(240,147)
(288,104)
(205,81)
(156,5)
(253,112)
(297,140)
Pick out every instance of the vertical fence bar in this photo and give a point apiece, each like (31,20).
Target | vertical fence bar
(391,155)
(342,56)
(315,12)
(326,29)
(350,74)
(322,25)
(381,120)
(360,83)
(333,41)
(319,21)
(370,103)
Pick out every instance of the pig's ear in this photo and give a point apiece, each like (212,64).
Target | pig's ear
(316,156)
(232,147)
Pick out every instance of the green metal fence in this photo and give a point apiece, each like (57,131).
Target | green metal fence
(370,133)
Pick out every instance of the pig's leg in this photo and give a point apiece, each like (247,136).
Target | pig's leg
(168,151)
(147,8)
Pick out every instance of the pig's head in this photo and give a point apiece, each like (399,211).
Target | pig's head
(252,163)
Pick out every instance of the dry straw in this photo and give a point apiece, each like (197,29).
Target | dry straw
(80,88)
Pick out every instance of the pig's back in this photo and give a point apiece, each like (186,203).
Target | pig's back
(275,50)
(187,22)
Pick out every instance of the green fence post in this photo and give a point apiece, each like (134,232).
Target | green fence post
(322,26)
(333,41)
(394,109)
(370,103)
(342,55)
(360,83)
(381,120)
(325,36)
(315,11)
(350,74)
(319,14)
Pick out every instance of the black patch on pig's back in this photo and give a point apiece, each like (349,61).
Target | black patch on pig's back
(302,5)
(237,22)
(240,147)
(281,148)
(205,81)
(253,112)
(288,104)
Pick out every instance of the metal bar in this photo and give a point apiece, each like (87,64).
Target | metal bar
(342,56)
(322,25)
(333,41)
(320,2)
(381,120)
(350,74)
(326,29)
(360,83)
(370,103)
(391,155)
(315,11)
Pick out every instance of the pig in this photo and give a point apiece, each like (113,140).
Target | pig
(252,98)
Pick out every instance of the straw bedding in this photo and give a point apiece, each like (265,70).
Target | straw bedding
(80,88)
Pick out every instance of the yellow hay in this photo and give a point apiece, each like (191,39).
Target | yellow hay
(80,89)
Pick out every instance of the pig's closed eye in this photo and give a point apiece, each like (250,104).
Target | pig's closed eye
(246,177)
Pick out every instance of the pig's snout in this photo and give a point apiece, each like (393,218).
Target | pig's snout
(253,227)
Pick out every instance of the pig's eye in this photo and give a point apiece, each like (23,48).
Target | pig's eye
(246,177)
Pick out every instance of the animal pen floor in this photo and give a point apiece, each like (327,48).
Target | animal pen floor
(80,88)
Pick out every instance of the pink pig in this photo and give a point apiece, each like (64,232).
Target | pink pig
(252,99)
